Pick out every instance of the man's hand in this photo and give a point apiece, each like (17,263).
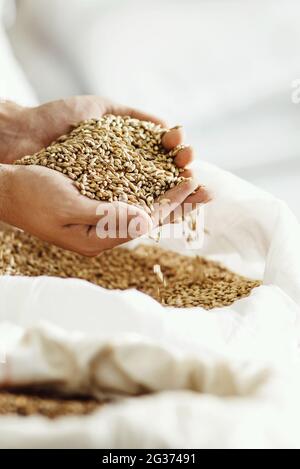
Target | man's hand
(24,131)
(46,203)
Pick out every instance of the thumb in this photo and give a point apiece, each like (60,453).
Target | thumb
(117,223)
(84,211)
(121,221)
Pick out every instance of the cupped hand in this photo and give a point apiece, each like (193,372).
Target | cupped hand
(46,203)
(25,131)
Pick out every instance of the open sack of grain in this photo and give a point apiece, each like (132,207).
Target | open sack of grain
(75,337)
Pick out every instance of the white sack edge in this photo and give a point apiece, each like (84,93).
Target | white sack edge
(252,233)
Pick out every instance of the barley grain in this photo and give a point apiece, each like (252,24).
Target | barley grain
(47,405)
(175,279)
(114,151)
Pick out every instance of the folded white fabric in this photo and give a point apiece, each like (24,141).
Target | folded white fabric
(74,336)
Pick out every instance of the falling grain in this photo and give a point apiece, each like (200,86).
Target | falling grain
(170,278)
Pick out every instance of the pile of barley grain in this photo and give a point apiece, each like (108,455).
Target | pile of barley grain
(114,159)
(25,404)
(172,279)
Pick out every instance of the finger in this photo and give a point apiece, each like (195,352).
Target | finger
(131,223)
(201,196)
(117,223)
(184,157)
(84,211)
(191,203)
(187,173)
(172,138)
(173,198)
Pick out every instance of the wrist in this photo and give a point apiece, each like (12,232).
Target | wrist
(6,175)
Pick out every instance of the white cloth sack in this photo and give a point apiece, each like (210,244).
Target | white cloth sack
(222,378)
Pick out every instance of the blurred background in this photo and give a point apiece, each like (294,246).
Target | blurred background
(222,68)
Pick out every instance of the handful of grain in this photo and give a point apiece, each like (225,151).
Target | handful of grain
(114,159)
(170,278)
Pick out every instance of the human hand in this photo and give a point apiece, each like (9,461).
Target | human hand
(46,204)
(59,214)
(25,131)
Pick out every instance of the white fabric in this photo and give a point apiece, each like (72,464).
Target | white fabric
(13,84)
(120,343)
(224,69)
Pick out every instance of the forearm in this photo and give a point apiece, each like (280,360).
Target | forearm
(12,131)
(6,172)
